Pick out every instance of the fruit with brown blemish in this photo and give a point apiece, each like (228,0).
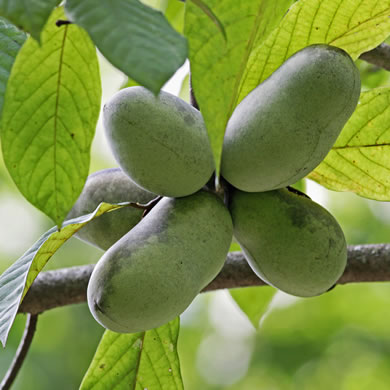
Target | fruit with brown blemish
(288,240)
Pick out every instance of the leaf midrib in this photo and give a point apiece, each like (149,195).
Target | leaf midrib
(55,120)
(360,146)
(139,361)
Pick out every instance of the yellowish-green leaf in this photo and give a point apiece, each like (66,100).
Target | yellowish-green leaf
(355,26)
(253,301)
(234,246)
(129,83)
(185,89)
(360,159)
(139,361)
(17,279)
(221,41)
(50,111)
(174,12)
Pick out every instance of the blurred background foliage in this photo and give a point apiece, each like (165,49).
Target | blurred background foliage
(340,340)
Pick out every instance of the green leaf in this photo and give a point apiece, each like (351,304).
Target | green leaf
(144,360)
(234,246)
(51,107)
(29,15)
(360,159)
(11,40)
(253,301)
(135,38)
(129,83)
(214,18)
(17,279)
(217,61)
(353,26)
(185,89)
(174,13)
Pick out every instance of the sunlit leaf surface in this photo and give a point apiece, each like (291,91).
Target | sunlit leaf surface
(144,360)
(50,111)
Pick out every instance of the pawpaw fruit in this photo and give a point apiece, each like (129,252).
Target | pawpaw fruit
(110,186)
(286,126)
(289,241)
(154,272)
(160,142)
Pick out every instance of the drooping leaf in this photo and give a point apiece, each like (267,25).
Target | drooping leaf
(355,26)
(51,107)
(135,38)
(253,301)
(360,159)
(11,40)
(18,278)
(144,360)
(29,15)
(221,41)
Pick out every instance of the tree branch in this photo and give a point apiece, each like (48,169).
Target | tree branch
(380,56)
(366,263)
(21,353)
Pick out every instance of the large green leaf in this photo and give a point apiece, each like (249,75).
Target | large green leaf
(222,34)
(29,15)
(355,26)
(139,361)
(253,301)
(11,40)
(360,159)
(51,107)
(135,38)
(17,279)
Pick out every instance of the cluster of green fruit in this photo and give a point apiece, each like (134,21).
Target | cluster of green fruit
(154,267)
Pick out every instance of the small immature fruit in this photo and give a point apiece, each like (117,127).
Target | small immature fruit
(286,126)
(160,142)
(154,272)
(289,241)
(111,186)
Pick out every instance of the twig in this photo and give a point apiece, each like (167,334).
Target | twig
(148,206)
(366,263)
(21,353)
(380,56)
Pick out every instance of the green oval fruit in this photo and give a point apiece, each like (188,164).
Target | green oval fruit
(154,272)
(111,186)
(289,241)
(286,126)
(160,142)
